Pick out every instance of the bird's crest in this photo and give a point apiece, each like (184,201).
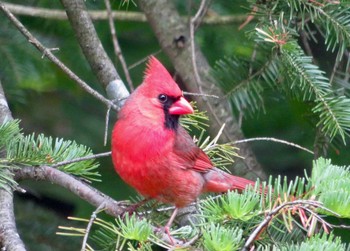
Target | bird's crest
(154,67)
(158,77)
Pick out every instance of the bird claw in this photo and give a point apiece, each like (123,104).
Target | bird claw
(167,236)
(130,209)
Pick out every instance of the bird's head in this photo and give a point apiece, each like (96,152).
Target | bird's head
(160,97)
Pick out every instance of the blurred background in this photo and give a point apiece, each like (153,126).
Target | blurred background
(46,101)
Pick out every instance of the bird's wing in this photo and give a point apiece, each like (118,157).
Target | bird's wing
(188,154)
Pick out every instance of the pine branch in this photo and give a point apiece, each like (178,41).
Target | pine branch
(337,23)
(243,89)
(313,85)
(331,186)
(40,150)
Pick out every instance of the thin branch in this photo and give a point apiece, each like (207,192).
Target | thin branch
(193,23)
(105,137)
(126,16)
(47,52)
(67,162)
(117,49)
(143,60)
(273,140)
(88,227)
(200,94)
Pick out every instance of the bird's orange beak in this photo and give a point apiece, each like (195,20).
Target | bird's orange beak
(180,107)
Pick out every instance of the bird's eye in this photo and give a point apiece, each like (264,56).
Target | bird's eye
(162,98)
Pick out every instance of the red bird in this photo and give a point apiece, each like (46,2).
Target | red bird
(154,154)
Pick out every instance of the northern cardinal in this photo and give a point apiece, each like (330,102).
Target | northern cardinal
(154,154)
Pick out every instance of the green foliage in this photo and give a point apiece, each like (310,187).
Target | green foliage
(219,238)
(32,150)
(236,206)
(245,92)
(128,231)
(296,209)
(316,243)
(8,131)
(221,155)
(279,63)
(332,186)
(197,120)
(133,228)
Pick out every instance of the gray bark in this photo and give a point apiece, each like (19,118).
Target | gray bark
(9,238)
(93,50)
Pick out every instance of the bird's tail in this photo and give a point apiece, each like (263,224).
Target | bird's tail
(218,181)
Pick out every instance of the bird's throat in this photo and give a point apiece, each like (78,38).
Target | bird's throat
(171,121)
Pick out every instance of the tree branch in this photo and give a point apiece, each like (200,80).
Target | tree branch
(77,187)
(169,28)
(9,237)
(81,189)
(126,16)
(47,52)
(93,50)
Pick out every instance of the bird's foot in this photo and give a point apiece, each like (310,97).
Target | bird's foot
(133,207)
(166,235)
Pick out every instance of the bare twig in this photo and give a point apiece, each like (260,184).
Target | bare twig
(273,140)
(88,227)
(126,16)
(116,45)
(105,137)
(47,52)
(193,23)
(143,60)
(250,17)
(200,94)
(95,156)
